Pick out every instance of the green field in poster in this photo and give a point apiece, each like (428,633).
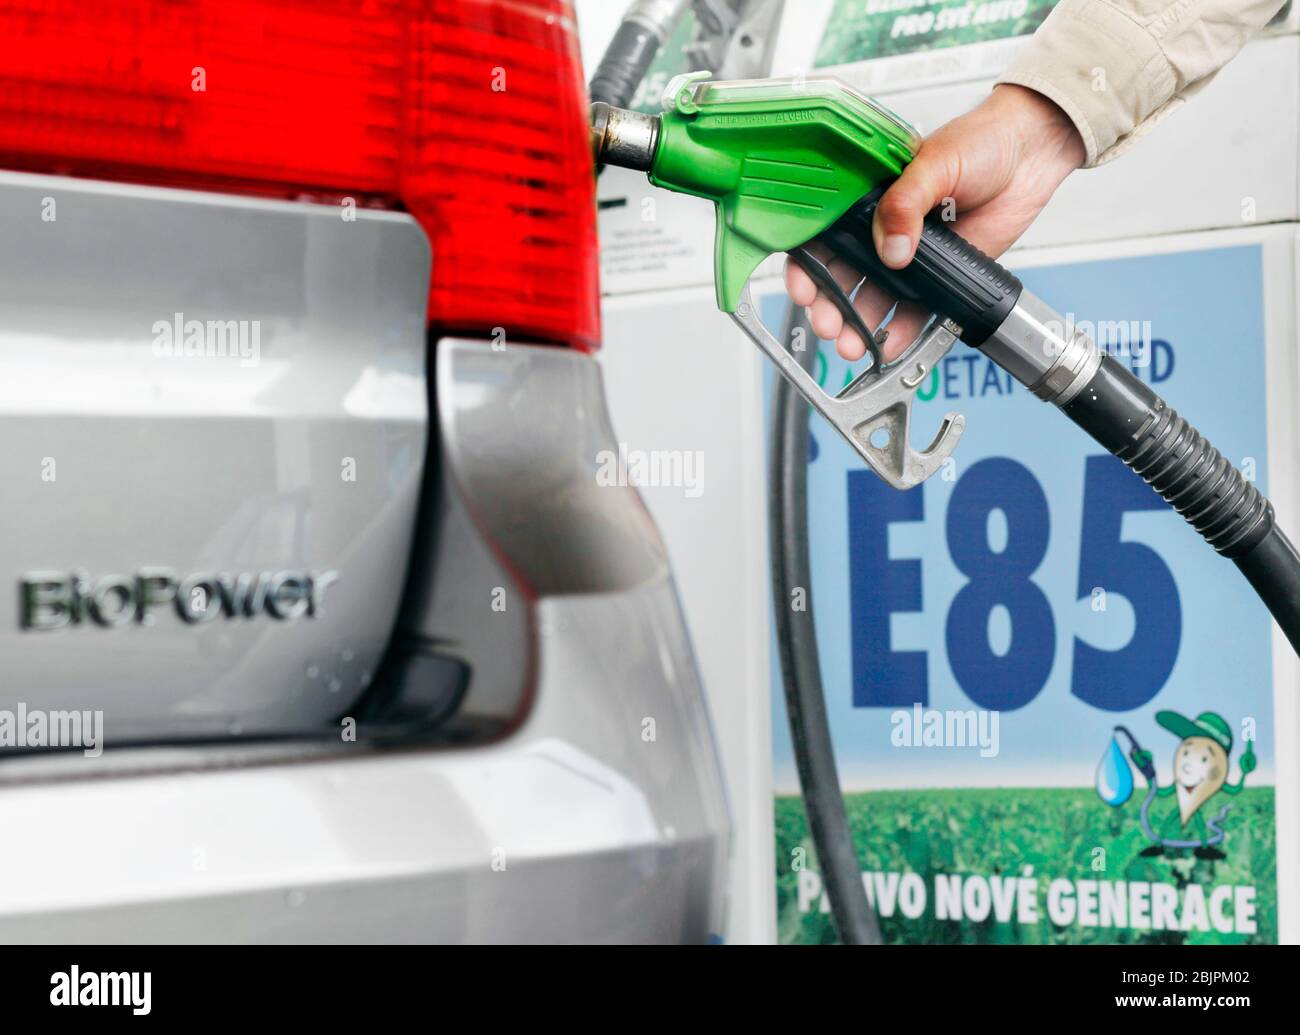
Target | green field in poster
(937,834)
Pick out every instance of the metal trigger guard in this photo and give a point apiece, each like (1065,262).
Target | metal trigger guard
(874,400)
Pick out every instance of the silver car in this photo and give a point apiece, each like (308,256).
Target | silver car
(321,626)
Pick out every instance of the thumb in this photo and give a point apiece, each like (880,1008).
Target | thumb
(896,227)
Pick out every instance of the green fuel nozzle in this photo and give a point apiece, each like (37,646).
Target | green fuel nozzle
(793,162)
(783,159)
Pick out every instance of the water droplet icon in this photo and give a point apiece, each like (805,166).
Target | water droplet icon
(1114,778)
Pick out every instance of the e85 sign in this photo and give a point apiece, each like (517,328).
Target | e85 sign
(1004,579)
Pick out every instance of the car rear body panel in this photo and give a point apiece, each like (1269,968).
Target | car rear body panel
(574,829)
(288,435)
(573,796)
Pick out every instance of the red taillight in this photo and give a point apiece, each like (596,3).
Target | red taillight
(469,113)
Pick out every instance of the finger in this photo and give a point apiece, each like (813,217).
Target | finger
(993,228)
(896,227)
(850,344)
(798,284)
(825,318)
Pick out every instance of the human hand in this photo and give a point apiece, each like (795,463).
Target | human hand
(999,164)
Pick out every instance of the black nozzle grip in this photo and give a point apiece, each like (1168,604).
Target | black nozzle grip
(948,276)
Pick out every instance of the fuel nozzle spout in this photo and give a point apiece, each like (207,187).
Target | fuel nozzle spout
(624,138)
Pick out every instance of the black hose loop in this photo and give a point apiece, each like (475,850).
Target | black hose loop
(796,635)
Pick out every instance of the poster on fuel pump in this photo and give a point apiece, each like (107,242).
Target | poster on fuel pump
(1051,702)
(887,45)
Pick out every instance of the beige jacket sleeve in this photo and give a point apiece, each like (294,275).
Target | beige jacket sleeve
(1118,67)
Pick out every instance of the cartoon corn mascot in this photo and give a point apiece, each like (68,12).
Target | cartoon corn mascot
(1201,763)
